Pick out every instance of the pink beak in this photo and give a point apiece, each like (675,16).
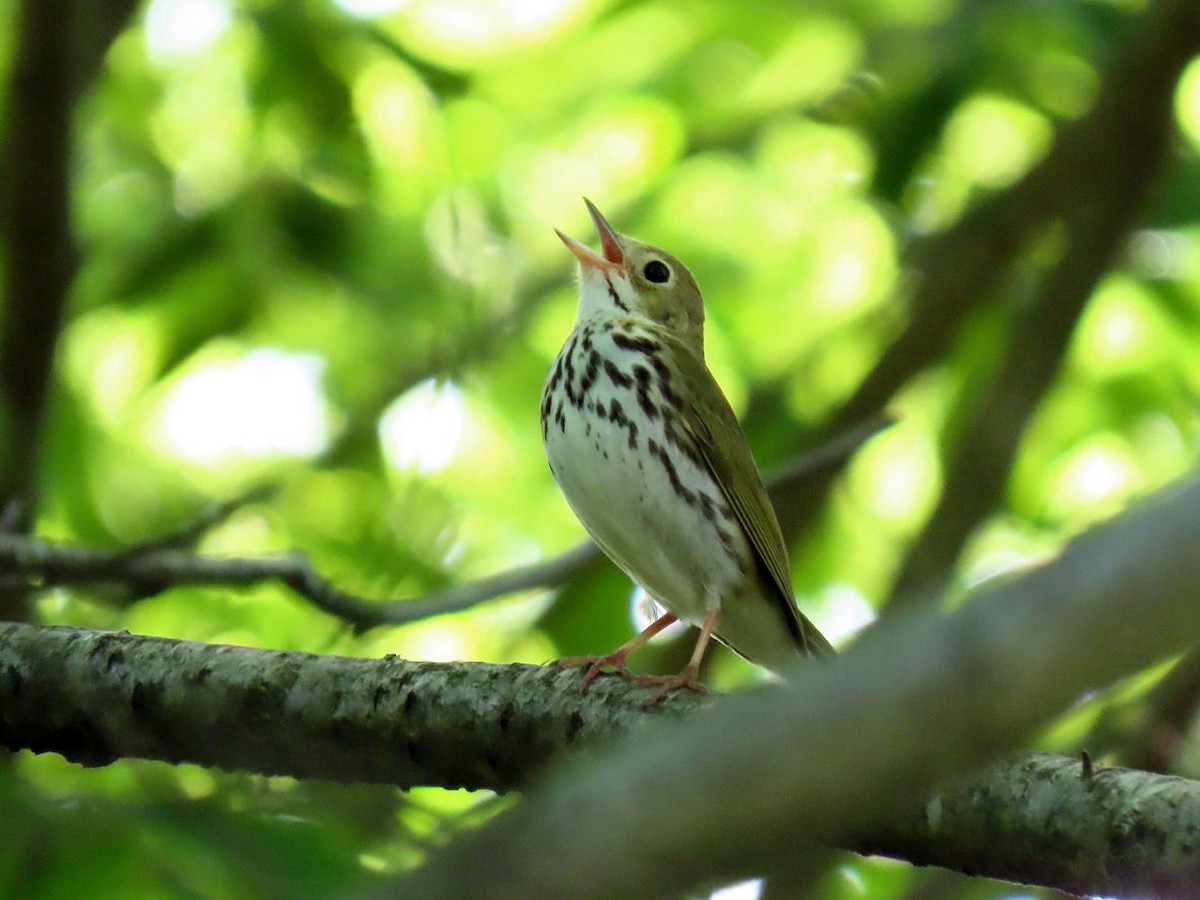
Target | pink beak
(614,256)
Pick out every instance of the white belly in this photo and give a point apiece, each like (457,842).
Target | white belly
(687,555)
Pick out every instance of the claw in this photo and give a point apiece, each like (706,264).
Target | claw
(668,684)
(596,665)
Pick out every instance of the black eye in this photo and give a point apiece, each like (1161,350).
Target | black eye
(656,270)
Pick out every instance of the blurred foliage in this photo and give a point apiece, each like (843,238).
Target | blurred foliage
(317,250)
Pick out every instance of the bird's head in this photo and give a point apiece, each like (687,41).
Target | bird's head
(629,278)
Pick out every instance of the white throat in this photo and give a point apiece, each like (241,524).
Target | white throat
(606,294)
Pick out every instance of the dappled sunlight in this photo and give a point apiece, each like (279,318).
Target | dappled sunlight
(644,611)
(992,141)
(436,641)
(1172,255)
(855,262)
(989,142)
(176,28)
(1094,479)
(400,120)
(112,358)
(465,246)
(368,9)
(1005,546)
(203,131)
(839,610)
(1121,332)
(1064,82)
(468,31)
(229,407)
(1187,103)
(816,164)
(751,889)
(607,156)
(897,477)
(711,198)
(424,428)
(810,63)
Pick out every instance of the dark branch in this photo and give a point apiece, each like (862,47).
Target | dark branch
(200,523)
(143,573)
(52,63)
(1137,118)
(38,248)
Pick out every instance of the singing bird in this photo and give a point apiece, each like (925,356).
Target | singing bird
(651,458)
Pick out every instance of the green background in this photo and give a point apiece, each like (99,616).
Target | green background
(316,251)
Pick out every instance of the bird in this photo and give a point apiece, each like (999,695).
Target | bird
(651,459)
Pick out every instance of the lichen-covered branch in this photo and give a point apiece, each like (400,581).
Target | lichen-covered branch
(95,697)
(1044,819)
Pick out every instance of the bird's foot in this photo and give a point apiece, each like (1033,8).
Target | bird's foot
(596,665)
(668,684)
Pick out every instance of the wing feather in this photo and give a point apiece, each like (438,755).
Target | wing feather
(706,412)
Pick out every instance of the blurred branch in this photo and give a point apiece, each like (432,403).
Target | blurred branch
(850,747)
(208,518)
(851,753)
(959,267)
(149,568)
(39,252)
(1127,137)
(1148,731)
(1042,819)
(51,65)
(830,456)
(45,563)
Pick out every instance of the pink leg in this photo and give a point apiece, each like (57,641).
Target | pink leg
(616,659)
(686,678)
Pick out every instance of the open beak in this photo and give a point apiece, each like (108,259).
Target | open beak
(614,256)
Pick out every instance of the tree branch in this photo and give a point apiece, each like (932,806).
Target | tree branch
(192,529)
(38,247)
(52,63)
(152,571)
(730,789)
(1042,819)
(95,697)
